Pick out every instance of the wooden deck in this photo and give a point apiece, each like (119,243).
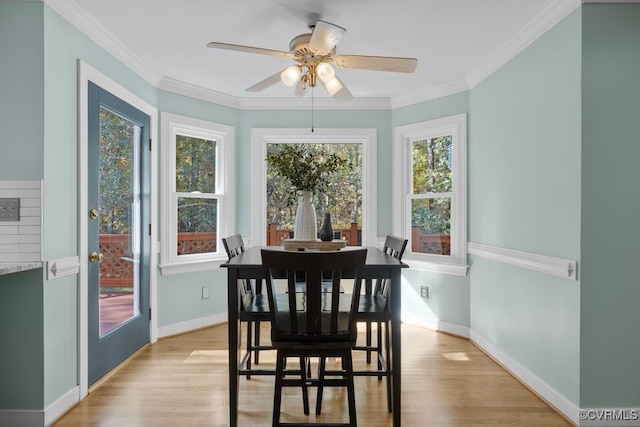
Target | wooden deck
(115,308)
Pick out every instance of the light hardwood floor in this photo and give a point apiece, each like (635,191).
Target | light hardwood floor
(182,381)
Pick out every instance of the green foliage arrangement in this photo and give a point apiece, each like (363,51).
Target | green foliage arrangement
(342,196)
(306,167)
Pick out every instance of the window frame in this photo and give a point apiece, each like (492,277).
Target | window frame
(260,137)
(224,135)
(404,136)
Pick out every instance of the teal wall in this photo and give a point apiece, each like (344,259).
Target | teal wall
(524,194)
(21,89)
(433,109)
(545,131)
(448,295)
(21,157)
(60,301)
(609,339)
(64,45)
(180,296)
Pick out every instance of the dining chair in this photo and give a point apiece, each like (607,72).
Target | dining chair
(374,308)
(313,323)
(254,307)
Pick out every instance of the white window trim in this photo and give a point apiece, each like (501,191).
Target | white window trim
(456,263)
(260,137)
(173,124)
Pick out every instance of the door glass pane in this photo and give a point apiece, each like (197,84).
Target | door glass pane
(119,213)
(431,225)
(197,225)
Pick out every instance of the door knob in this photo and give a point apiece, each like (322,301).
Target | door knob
(95,257)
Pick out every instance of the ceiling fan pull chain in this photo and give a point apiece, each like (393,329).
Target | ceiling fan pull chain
(312,108)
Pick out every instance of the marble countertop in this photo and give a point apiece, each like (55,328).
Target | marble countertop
(15,267)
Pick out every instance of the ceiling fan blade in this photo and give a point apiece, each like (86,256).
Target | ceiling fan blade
(269,81)
(325,36)
(250,49)
(338,90)
(377,63)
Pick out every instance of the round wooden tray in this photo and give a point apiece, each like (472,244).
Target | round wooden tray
(314,245)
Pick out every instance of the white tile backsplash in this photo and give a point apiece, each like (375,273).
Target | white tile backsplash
(22,240)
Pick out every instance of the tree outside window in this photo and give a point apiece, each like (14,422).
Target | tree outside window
(195,187)
(433,179)
(342,197)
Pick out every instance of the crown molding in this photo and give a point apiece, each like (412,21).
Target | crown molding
(318,104)
(69,10)
(197,92)
(435,92)
(544,21)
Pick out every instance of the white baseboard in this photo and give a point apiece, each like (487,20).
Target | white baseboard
(435,324)
(190,325)
(38,417)
(552,397)
(61,406)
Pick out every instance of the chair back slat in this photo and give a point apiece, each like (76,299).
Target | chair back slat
(234,246)
(313,315)
(291,290)
(395,247)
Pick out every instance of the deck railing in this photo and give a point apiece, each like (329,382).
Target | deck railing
(116,268)
(430,243)
(352,235)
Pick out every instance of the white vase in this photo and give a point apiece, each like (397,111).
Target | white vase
(305,228)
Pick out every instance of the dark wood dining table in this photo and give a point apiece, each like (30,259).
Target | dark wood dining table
(248,265)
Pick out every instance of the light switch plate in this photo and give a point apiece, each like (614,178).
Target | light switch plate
(10,209)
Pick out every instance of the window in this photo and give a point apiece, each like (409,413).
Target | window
(430,193)
(198,198)
(356,225)
(342,197)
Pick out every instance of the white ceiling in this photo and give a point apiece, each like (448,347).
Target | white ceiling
(457,42)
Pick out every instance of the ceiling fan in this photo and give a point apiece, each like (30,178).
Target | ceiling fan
(312,54)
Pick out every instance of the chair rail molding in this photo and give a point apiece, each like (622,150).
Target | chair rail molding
(57,268)
(560,267)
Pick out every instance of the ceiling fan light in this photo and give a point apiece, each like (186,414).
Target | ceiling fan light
(333,86)
(325,72)
(299,90)
(290,75)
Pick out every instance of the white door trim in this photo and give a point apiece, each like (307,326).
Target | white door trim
(87,73)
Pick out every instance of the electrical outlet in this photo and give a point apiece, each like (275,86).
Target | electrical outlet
(205,292)
(9,209)
(424,292)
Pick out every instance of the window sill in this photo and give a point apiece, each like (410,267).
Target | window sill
(436,267)
(191,266)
